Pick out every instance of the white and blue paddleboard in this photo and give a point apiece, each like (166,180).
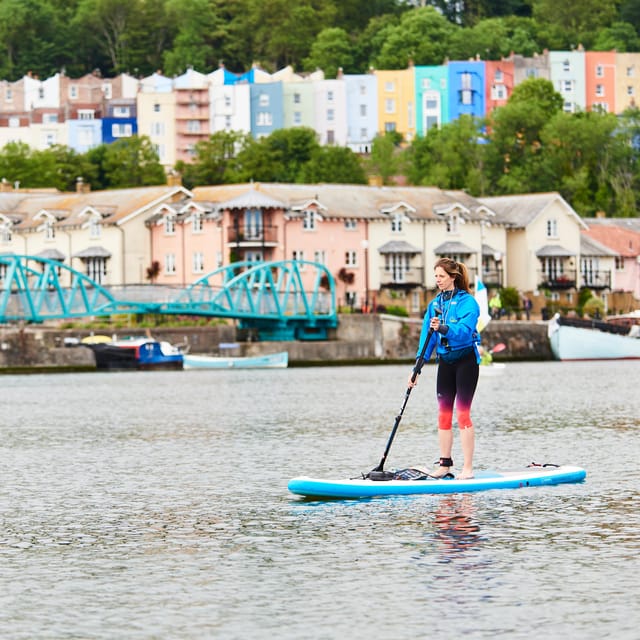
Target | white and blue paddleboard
(534,476)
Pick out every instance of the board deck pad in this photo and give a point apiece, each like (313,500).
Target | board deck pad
(533,476)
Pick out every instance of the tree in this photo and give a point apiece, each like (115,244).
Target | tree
(332,50)
(132,162)
(449,158)
(620,36)
(422,35)
(384,158)
(337,165)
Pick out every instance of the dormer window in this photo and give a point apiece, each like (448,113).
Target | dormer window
(49,231)
(453,222)
(396,223)
(95,228)
(309,220)
(197,223)
(169,226)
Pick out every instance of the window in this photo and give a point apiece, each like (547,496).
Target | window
(532,73)
(600,90)
(397,265)
(320,256)
(396,223)
(364,134)
(309,221)
(107,90)
(49,231)
(227,102)
(599,71)
(630,90)
(49,118)
(170,263)
(5,234)
(619,263)
(330,115)
(389,86)
(415,301)
(264,119)
(193,126)
(121,112)
(331,136)
(196,221)
(73,91)
(263,100)
(552,228)
(8,96)
(351,259)
(390,105)
(86,114)
(499,76)
(363,89)
(296,98)
(96,268)
(567,86)
(85,137)
(298,256)
(498,92)
(466,92)
(297,117)
(251,256)
(350,225)
(453,224)
(389,126)
(568,107)
(157,128)
(40,93)
(227,123)
(95,228)
(169,226)
(50,139)
(426,83)
(329,96)
(120,130)
(14,122)
(630,72)
(566,65)
(156,108)
(197,262)
(363,110)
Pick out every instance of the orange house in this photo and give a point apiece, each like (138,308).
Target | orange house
(600,77)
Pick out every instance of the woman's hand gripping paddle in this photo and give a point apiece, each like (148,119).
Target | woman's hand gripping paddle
(378,473)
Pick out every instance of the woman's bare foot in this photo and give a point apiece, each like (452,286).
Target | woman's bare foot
(465,474)
(440,472)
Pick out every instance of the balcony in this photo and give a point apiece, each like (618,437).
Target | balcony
(398,278)
(557,281)
(252,236)
(596,279)
(492,278)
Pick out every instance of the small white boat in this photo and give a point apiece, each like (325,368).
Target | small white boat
(279,360)
(576,339)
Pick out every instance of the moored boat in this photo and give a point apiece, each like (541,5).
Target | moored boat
(136,353)
(279,360)
(578,339)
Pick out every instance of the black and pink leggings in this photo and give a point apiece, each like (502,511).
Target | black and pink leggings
(456,383)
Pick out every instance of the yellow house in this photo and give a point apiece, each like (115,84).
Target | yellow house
(397,102)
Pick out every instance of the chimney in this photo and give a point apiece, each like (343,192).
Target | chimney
(174,179)
(82,186)
(5,186)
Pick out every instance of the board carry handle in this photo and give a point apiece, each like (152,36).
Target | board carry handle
(378,472)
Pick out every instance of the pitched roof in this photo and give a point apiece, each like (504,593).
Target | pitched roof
(554,251)
(453,247)
(619,234)
(591,247)
(520,210)
(398,246)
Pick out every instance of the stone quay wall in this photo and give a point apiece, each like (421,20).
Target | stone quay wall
(366,339)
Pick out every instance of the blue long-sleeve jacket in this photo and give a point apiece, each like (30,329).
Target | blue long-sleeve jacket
(460,316)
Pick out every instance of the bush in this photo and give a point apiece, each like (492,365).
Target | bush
(397,311)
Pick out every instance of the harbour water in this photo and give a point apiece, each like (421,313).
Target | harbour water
(155,505)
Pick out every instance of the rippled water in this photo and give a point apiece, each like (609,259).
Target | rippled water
(154,505)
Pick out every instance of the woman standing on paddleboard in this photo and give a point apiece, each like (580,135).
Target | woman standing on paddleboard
(453,316)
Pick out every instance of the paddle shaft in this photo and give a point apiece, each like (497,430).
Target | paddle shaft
(416,372)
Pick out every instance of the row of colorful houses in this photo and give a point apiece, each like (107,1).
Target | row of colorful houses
(379,243)
(349,110)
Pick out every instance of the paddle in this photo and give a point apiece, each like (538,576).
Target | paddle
(501,346)
(378,473)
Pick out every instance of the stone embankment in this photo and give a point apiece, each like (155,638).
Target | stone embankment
(359,339)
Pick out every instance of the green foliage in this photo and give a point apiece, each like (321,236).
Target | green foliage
(331,164)
(594,307)
(510,299)
(584,295)
(395,310)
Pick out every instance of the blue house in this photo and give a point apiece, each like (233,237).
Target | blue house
(432,97)
(466,89)
(267,108)
(362,111)
(120,120)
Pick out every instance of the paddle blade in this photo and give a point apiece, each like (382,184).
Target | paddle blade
(501,346)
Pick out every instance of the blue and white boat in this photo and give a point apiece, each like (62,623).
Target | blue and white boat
(279,360)
(136,353)
(578,339)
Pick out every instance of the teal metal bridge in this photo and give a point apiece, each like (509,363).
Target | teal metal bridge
(268,297)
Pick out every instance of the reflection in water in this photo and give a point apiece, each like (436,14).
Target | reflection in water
(455,527)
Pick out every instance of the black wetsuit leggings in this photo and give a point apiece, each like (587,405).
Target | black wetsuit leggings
(456,383)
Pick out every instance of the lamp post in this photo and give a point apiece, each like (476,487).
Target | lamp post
(365,246)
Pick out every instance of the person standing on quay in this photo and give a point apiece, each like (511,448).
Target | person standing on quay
(453,316)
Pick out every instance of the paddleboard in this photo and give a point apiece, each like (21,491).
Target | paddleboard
(534,476)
